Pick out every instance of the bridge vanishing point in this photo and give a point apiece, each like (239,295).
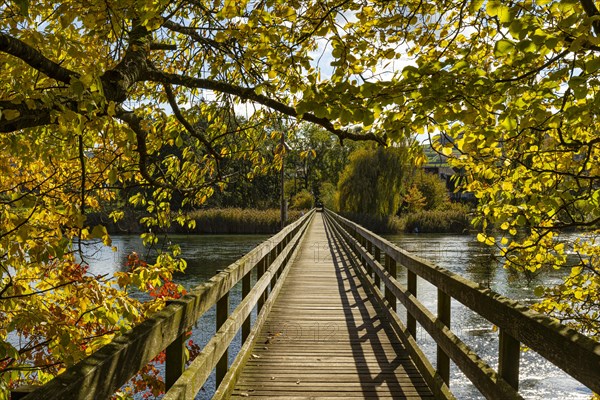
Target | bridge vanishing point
(326,301)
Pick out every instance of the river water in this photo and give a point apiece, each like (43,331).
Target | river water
(539,379)
(462,254)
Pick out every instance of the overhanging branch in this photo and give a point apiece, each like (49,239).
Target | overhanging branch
(186,124)
(135,124)
(34,58)
(591,10)
(250,94)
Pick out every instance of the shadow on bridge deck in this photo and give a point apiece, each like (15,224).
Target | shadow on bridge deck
(325,338)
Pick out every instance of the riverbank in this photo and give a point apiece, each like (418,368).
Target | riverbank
(209,221)
(453,219)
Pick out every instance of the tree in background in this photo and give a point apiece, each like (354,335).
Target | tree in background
(303,200)
(426,192)
(316,157)
(374,181)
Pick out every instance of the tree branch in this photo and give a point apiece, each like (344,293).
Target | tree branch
(536,70)
(34,58)
(250,94)
(135,123)
(192,33)
(186,124)
(118,81)
(162,46)
(591,10)
(26,118)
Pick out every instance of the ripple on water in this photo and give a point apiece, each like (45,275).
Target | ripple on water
(461,254)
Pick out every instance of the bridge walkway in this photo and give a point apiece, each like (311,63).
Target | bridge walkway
(325,338)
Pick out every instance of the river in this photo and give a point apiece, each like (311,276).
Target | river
(539,379)
(462,254)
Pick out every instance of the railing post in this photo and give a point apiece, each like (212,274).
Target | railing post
(260,271)
(377,256)
(508,360)
(390,267)
(369,247)
(246,283)
(174,359)
(443,361)
(272,258)
(411,322)
(222,314)
(363,260)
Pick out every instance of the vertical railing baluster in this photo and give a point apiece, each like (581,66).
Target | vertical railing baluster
(222,315)
(260,271)
(174,359)
(390,267)
(411,322)
(509,358)
(443,309)
(273,256)
(363,243)
(369,247)
(246,287)
(377,256)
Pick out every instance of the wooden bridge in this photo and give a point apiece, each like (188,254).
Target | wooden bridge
(325,295)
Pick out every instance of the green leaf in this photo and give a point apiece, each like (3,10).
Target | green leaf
(23,6)
(503,47)
(98,232)
(539,291)
(10,114)
(592,65)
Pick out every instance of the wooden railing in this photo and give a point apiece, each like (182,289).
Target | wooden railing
(576,354)
(100,375)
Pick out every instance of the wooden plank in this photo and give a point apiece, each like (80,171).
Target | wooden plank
(477,370)
(192,380)
(324,331)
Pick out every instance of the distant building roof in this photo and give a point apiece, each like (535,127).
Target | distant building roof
(434,159)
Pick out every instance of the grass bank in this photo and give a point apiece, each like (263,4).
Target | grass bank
(239,220)
(214,221)
(452,219)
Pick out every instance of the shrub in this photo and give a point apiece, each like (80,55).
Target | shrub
(454,218)
(302,200)
(428,192)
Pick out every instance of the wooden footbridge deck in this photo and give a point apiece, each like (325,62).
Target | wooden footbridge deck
(325,337)
(325,296)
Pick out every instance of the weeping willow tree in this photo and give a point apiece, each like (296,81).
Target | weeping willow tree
(375,180)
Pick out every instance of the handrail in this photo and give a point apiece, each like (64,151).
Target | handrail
(576,354)
(104,372)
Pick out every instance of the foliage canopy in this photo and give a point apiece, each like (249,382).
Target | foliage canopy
(99,96)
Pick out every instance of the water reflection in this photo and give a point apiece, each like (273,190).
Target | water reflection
(463,255)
